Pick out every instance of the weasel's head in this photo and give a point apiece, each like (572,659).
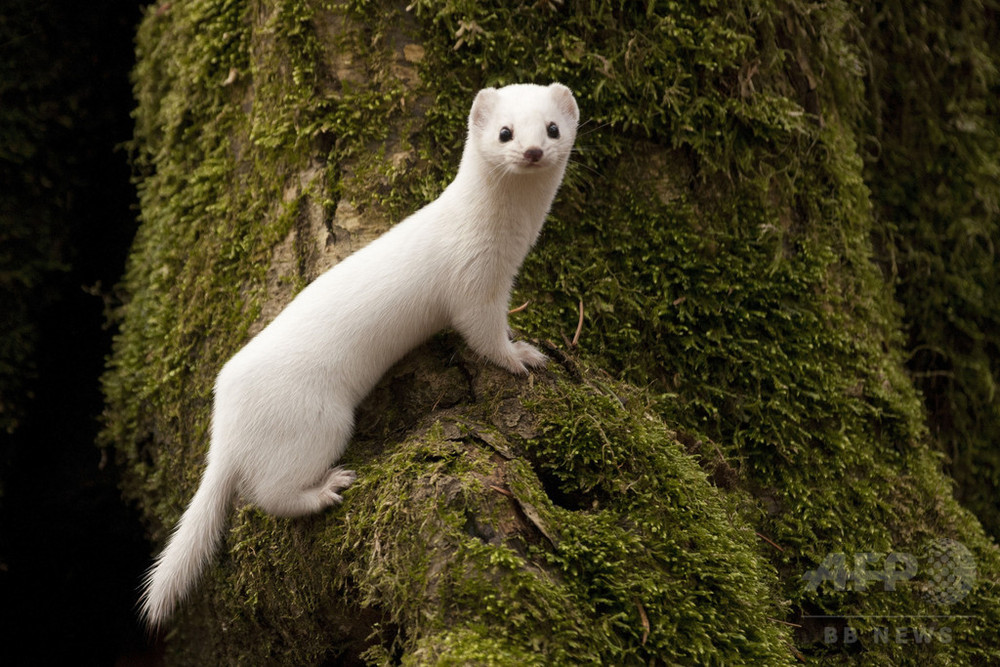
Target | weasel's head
(524,128)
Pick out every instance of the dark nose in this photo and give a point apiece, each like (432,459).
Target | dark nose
(533,154)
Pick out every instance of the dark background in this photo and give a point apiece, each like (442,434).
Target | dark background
(71,552)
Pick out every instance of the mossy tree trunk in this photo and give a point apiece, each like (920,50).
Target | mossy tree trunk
(737,411)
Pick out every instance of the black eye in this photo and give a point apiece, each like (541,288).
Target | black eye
(553,131)
(505,135)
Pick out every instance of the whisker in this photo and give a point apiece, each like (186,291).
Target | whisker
(501,167)
(592,129)
(586,166)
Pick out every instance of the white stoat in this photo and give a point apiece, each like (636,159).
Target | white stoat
(284,404)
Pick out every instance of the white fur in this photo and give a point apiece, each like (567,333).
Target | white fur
(284,404)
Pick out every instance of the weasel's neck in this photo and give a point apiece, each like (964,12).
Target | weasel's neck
(508,200)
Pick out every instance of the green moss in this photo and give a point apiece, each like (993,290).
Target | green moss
(933,142)
(716,224)
(461,544)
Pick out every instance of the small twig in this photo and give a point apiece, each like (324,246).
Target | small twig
(579,327)
(503,491)
(797,653)
(519,308)
(769,541)
(645,622)
(778,620)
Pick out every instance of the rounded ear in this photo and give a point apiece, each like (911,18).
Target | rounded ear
(565,101)
(482,107)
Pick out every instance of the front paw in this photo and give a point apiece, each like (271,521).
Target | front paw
(528,356)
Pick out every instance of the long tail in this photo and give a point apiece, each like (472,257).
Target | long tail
(189,549)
